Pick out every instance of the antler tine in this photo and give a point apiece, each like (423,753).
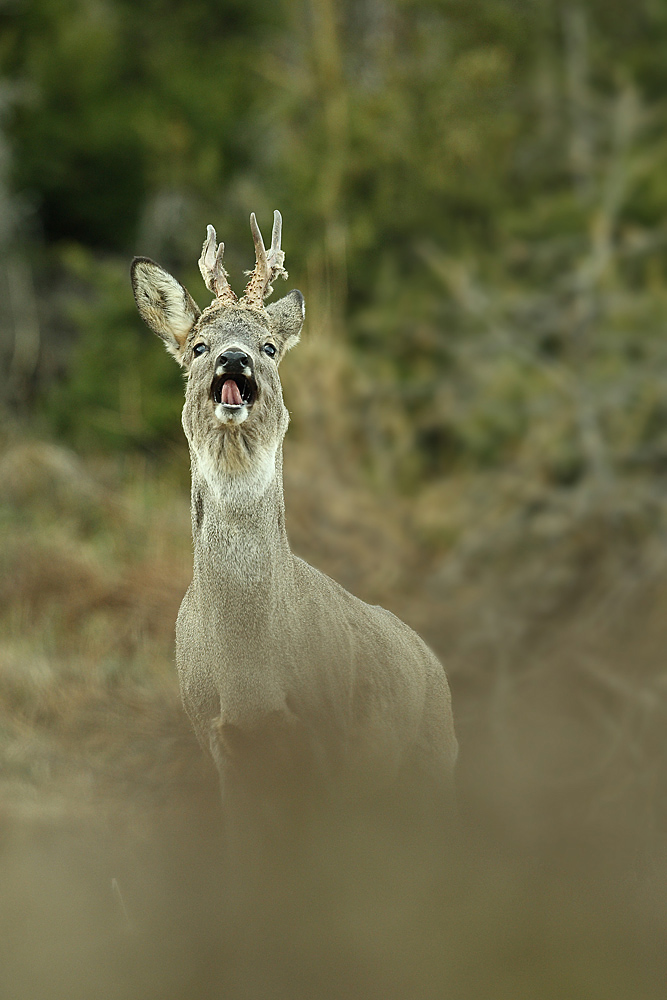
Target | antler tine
(258,240)
(212,270)
(277,233)
(276,256)
(268,265)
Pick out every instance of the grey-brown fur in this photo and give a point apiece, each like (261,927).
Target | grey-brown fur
(281,670)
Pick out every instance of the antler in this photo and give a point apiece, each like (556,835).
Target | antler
(212,271)
(268,264)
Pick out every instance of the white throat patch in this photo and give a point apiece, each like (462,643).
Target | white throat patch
(239,486)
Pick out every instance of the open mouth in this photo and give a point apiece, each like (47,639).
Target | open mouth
(234,390)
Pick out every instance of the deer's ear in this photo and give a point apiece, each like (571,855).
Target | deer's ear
(287,316)
(164,304)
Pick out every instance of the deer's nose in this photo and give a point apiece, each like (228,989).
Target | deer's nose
(234,362)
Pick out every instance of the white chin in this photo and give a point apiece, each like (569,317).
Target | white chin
(228,414)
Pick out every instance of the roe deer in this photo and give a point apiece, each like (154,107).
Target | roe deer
(282,671)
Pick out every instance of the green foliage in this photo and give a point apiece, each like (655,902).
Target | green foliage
(118,390)
(120,99)
(472,192)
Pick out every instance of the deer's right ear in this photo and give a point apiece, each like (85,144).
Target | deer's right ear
(164,304)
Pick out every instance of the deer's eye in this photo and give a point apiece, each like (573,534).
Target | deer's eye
(199,349)
(270,349)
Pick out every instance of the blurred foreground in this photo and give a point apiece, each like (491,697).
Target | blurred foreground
(549,614)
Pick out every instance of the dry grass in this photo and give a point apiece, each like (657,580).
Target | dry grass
(549,611)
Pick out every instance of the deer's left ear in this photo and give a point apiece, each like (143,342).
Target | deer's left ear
(164,304)
(287,316)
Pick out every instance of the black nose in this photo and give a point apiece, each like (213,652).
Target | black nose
(234,362)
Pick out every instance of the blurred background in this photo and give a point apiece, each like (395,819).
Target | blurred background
(474,195)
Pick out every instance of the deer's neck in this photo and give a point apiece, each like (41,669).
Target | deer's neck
(241,551)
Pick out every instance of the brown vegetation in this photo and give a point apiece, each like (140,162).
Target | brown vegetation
(549,615)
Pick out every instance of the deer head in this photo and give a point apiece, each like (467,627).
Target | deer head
(234,416)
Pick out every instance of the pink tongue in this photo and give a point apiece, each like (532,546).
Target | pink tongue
(230,393)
